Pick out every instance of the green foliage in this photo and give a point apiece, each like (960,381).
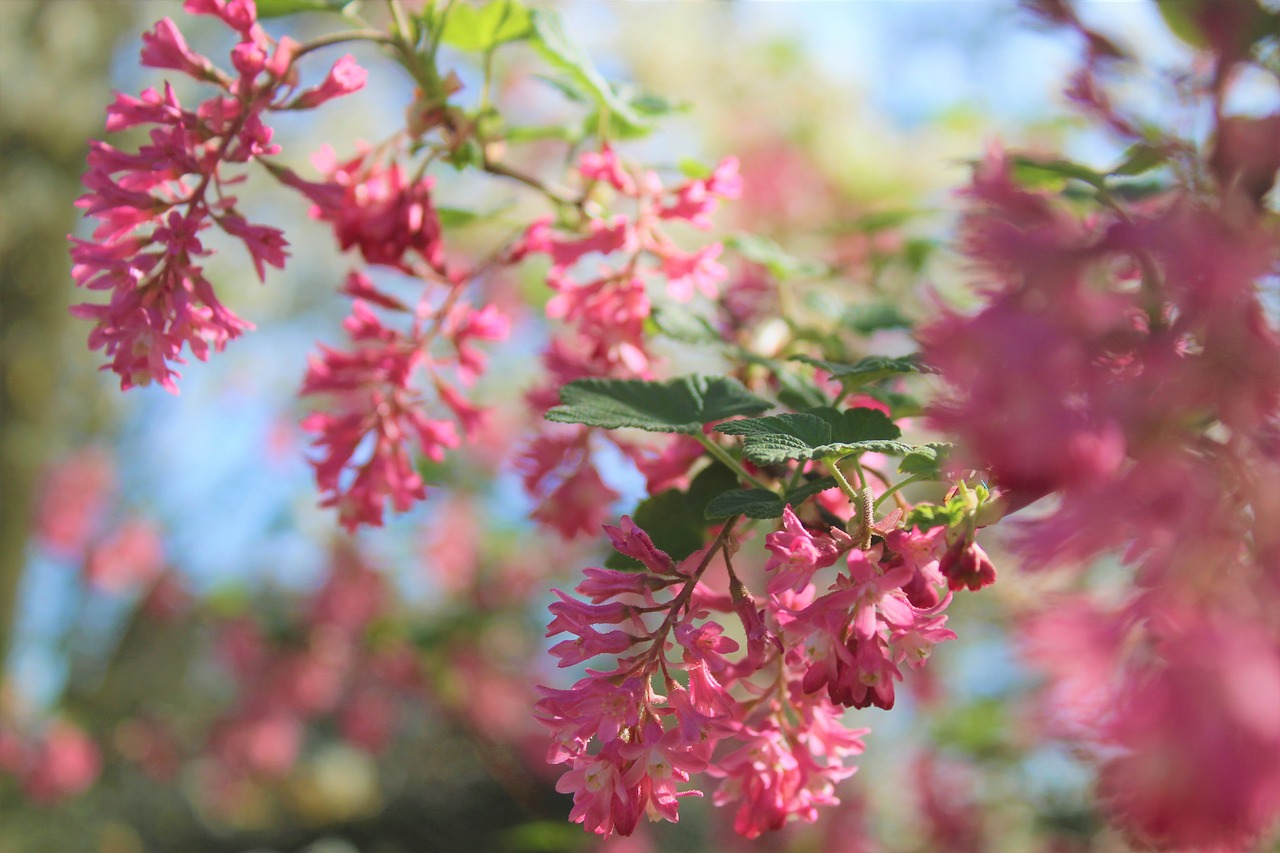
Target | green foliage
(762,503)
(870,369)
(676,520)
(866,320)
(566,55)
(680,405)
(480,29)
(1139,159)
(753,503)
(767,253)
(1053,173)
(929,516)
(926,460)
(280,8)
(817,433)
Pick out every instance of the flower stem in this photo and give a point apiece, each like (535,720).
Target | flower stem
(733,464)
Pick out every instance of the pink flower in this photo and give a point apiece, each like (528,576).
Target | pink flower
(65,763)
(965,564)
(164,47)
(381,214)
(698,272)
(603,165)
(601,802)
(345,77)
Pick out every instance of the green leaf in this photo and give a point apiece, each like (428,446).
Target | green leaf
(781,265)
(929,516)
(1139,159)
(465,155)
(753,503)
(799,392)
(554,44)
(456,217)
(866,320)
(712,480)
(532,134)
(1036,173)
(870,369)
(695,169)
(816,433)
(669,523)
(925,459)
(800,494)
(762,503)
(681,405)
(280,8)
(900,405)
(480,29)
(681,324)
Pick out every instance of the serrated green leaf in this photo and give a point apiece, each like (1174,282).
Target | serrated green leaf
(800,494)
(781,265)
(753,503)
(280,8)
(479,29)
(815,434)
(554,44)
(778,438)
(680,405)
(926,459)
(870,369)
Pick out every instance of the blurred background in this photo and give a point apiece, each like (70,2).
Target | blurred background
(163,563)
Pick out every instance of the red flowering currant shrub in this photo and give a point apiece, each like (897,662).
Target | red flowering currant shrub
(811,507)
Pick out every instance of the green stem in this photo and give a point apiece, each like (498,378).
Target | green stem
(845,486)
(733,464)
(898,485)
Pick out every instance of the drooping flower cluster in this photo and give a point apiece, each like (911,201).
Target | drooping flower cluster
(767,724)
(153,205)
(605,307)
(381,418)
(1127,362)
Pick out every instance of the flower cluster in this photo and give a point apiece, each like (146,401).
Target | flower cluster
(606,306)
(1136,372)
(632,733)
(366,444)
(153,205)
